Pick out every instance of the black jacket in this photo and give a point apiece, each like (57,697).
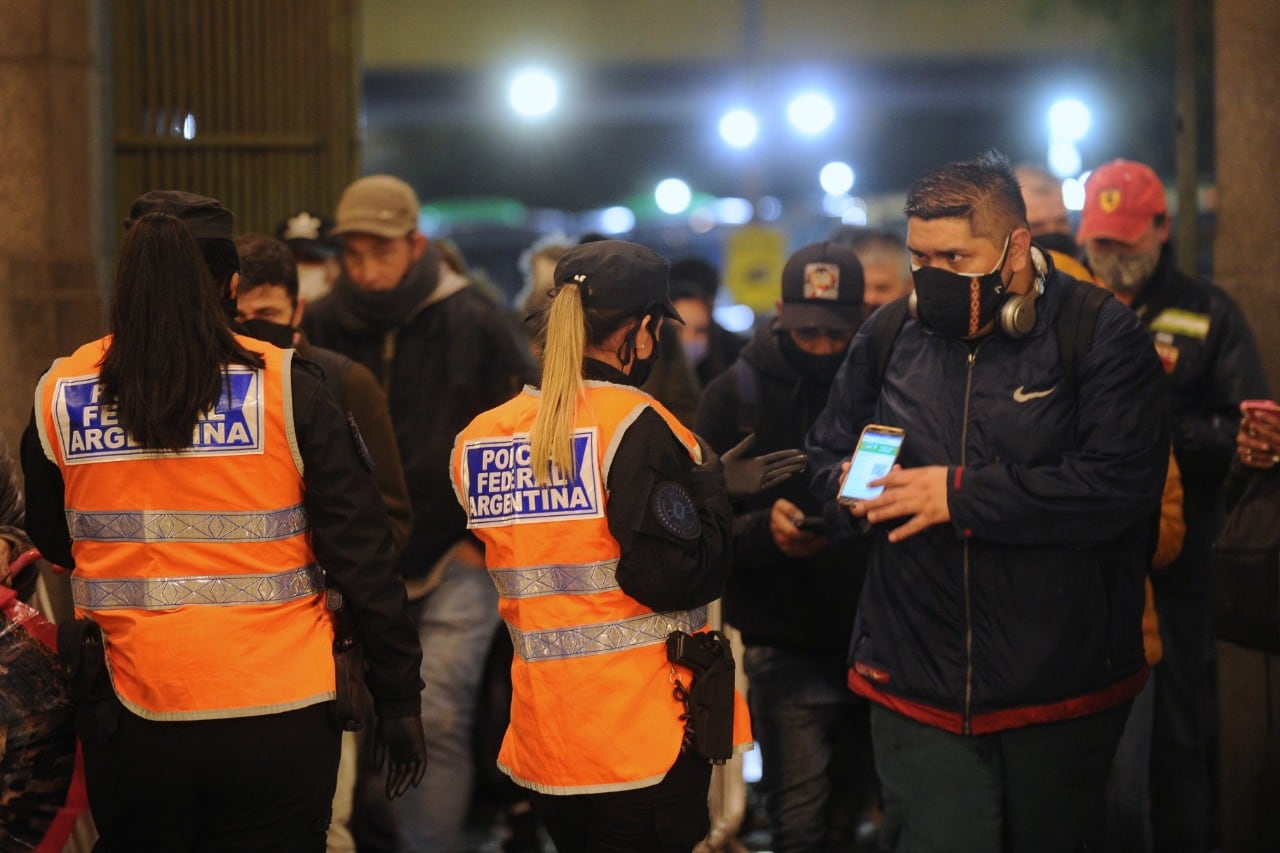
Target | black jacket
(453,357)
(1027,607)
(806,604)
(1212,363)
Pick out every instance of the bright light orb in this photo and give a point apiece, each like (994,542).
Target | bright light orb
(739,128)
(533,93)
(1068,120)
(617,220)
(673,196)
(811,113)
(1073,193)
(836,178)
(1064,159)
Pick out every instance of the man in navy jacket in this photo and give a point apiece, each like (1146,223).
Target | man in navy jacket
(999,632)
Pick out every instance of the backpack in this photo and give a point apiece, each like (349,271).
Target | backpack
(1076,322)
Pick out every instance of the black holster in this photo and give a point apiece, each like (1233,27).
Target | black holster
(352,706)
(82,653)
(710,697)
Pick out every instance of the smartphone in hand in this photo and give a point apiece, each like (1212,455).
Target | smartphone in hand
(1252,407)
(877,450)
(811,524)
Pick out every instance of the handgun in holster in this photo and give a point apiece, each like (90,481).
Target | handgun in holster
(710,698)
(352,705)
(83,655)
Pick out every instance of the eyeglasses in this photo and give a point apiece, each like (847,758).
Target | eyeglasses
(813,333)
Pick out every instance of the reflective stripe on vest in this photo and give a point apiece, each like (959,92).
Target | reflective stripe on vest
(604,637)
(160,593)
(549,580)
(197,564)
(178,526)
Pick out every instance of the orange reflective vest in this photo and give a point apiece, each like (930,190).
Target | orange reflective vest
(592,707)
(197,565)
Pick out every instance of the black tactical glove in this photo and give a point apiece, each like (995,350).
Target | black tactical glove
(744,478)
(401,744)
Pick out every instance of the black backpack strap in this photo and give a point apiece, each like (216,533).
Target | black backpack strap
(890,322)
(1076,322)
(748,396)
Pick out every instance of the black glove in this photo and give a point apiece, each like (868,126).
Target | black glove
(401,744)
(744,478)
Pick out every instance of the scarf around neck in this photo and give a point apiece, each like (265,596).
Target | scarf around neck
(378,312)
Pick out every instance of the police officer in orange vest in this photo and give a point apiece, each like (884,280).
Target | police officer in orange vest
(202,485)
(605,531)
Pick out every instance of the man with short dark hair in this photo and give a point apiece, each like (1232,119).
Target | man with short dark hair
(444,351)
(1212,364)
(270,309)
(999,631)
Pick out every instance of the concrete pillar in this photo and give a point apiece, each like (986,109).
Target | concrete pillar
(1247,89)
(1247,263)
(51,190)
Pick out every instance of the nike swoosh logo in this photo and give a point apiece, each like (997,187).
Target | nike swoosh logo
(1021,396)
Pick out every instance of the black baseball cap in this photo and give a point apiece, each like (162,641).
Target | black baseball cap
(205,217)
(822,288)
(615,274)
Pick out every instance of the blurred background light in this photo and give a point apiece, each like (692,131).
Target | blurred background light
(769,208)
(1073,193)
(673,196)
(836,178)
(1069,120)
(734,211)
(533,93)
(1064,159)
(739,128)
(617,220)
(735,318)
(811,113)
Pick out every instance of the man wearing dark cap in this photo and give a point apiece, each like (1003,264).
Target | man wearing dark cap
(1212,363)
(792,593)
(444,351)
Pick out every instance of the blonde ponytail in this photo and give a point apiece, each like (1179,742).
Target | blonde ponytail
(551,437)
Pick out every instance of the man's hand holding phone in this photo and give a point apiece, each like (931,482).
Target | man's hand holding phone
(1258,440)
(875,488)
(792,539)
(919,494)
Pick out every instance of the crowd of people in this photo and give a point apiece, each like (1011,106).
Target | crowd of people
(311,485)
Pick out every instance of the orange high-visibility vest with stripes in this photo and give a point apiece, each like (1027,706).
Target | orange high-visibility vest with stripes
(197,565)
(592,706)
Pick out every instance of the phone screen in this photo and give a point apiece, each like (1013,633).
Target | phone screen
(877,450)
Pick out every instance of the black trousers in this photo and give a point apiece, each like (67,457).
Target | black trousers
(669,816)
(231,786)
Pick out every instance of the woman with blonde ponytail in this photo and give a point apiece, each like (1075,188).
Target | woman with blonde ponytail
(605,530)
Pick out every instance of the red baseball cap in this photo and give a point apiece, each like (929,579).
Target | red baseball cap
(1120,200)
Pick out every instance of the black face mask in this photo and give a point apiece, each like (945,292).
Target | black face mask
(277,334)
(820,369)
(640,368)
(958,305)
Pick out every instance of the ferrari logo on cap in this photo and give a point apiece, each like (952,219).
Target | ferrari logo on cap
(1109,199)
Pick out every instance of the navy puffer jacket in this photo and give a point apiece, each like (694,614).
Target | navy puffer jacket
(1027,607)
